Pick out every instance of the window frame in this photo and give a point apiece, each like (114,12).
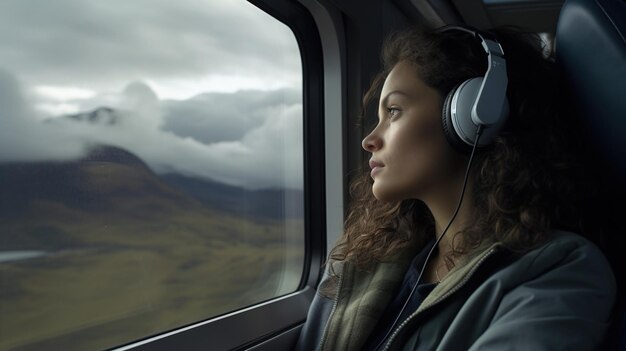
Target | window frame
(250,326)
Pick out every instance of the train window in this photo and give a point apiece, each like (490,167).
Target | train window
(151,167)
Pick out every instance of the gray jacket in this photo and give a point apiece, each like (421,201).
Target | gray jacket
(556,297)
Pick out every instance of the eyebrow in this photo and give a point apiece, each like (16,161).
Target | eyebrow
(384,101)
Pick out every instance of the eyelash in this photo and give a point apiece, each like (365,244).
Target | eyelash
(390,109)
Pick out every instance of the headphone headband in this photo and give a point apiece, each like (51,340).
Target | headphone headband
(492,93)
(478,102)
(475,32)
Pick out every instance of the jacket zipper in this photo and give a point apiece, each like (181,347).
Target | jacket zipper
(332,312)
(445,296)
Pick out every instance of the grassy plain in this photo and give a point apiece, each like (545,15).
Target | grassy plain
(141,265)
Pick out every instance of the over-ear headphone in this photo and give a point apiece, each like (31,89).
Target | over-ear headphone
(477,101)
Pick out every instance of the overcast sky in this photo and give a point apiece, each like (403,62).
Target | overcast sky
(206,88)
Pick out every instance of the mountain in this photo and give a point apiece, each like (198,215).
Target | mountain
(41,203)
(266,203)
(101,115)
(41,200)
(89,183)
(275,204)
(119,172)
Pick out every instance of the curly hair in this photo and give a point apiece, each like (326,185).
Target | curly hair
(526,183)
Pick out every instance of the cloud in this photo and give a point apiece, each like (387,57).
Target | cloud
(22,136)
(99,43)
(215,117)
(249,138)
(204,88)
(267,156)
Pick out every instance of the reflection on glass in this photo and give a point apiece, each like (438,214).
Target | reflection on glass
(150,167)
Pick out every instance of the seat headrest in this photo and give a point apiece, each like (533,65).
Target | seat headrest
(591,50)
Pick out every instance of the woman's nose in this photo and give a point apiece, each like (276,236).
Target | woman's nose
(371,142)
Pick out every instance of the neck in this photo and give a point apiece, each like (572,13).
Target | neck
(442,208)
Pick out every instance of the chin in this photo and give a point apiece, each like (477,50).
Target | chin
(385,194)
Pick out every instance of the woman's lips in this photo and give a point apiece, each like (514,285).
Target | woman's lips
(376,167)
(374,164)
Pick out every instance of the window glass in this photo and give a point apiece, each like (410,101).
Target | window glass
(151,169)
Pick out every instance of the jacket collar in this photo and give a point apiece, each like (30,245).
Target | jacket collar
(361,296)
(457,277)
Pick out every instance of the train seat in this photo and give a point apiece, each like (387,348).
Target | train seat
(591,52)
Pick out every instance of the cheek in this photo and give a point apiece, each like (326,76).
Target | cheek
(424,155)
(429,132)
(421,143)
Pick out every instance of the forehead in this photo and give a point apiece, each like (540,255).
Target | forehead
(403,77)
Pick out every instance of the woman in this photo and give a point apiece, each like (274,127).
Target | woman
(457,244)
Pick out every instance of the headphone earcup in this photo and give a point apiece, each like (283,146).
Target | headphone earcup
(448,128)
(458,127)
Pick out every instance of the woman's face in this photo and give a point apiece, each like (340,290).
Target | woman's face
(411,157)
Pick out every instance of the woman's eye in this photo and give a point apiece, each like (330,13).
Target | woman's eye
(393,111)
